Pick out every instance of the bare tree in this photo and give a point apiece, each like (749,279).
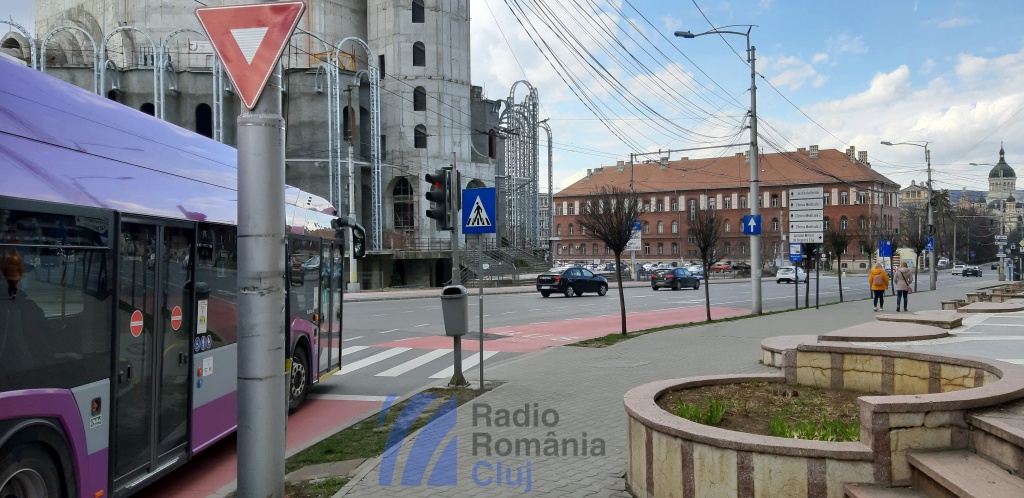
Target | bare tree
(706,227)
(836,242)
(914,235)
(609,217)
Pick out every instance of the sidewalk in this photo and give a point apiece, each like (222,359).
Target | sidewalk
(585,387)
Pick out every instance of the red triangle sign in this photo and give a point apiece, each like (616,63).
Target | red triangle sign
(249,39)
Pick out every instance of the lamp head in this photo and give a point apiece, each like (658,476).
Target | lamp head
(685,34)
(886,142)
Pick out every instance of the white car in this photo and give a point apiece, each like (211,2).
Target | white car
(958,269)
(788,273)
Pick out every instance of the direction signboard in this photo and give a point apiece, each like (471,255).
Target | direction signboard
(634,240)
(478,210)
(806,226)
(1001,238)
(807,237)
(249,39)
(815,215)
(805,204)
(807,193)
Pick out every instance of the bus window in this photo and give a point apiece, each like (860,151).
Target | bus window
(217,265)
(55,320)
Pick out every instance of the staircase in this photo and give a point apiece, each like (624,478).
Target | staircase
(506,265)
(991,466)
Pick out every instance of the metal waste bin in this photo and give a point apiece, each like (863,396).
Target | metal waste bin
(455,307)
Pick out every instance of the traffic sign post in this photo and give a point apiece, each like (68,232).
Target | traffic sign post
(479,210)
(249,40)
(751,224)
(633,246)
(806,215)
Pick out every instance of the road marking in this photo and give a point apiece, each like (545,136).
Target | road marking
(1018,362)
(375,316)
(352,339)
(413,363)
(509,312)
(365,362)
(420,325)
(537,309)
(348,397)
(467,363)
(352,349)
(387,331)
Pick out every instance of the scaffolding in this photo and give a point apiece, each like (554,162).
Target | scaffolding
(520,185)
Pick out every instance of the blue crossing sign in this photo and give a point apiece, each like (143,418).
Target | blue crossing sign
(478,210)
(751,224)
(796,252)
(929,244)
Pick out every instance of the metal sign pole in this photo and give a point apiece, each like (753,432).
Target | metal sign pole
(480,279)
(817,280)
(458,379)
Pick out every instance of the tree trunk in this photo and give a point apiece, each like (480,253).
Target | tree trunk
(622,297)
(707,292)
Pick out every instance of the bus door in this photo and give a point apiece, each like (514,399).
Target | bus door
(152,372)
(332,281)
(305,301)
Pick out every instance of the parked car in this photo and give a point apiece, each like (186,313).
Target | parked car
(675,279)
(995,266)
(610,267)
(958,269)
(789,273)
(972,271)
(573,281)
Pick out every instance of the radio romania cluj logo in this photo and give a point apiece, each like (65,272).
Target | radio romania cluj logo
(424,447)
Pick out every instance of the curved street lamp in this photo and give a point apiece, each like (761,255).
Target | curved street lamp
(933,274)
(755,209)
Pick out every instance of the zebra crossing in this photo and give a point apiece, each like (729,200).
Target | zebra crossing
(422,363)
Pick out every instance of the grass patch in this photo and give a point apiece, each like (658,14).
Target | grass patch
(771,409)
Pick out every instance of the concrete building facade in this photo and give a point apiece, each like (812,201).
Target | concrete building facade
(429,114)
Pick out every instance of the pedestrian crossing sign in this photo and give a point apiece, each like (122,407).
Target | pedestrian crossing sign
(478,210)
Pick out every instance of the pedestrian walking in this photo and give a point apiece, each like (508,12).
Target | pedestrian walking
(903,278)
(879,282)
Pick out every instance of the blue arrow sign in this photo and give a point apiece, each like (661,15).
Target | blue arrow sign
(752,224)
(637,226)
(478,210)
(930,244)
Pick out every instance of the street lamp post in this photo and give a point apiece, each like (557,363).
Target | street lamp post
(1002,226)
(933,274)
(755,240)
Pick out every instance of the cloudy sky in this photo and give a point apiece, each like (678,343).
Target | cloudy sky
(612,78)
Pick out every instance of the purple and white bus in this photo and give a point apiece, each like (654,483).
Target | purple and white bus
(118,329)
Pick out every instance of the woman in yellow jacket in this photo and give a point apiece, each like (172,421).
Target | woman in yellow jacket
(879,282)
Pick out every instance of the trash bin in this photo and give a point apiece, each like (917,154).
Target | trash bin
(455,308)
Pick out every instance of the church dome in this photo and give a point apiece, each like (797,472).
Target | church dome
(1001,169)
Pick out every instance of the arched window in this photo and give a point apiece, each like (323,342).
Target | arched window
(727,226)
(148,109)
(775,224)
(661,227)
(675,249)
(558,229)
(862,223)
(595,249)
(583,230)
(583,249)
(492,144)
(204,120)
(419,54)
(647,227)
(844,223)
(419,99)
(417,11)
(661,249)
(675,227)
(570,228)
(420,140)
(403,199)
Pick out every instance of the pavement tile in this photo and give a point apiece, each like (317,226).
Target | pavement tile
(584,388)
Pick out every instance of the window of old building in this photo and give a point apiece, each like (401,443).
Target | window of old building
(419,54)
(417,12)
(419,99)
(420,137)
(403,205)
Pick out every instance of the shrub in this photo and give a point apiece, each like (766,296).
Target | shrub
(711,414)
(826,430)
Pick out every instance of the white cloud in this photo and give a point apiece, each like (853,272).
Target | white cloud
(820,58)
(843,42)
(952,22)
(791,72)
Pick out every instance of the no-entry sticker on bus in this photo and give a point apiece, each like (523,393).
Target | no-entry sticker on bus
(135,325)
(176,318)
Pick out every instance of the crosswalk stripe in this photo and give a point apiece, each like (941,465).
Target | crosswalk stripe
(413,363)
(467,363)
(365,362)
(352,349)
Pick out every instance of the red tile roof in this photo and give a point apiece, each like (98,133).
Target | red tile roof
(779,169)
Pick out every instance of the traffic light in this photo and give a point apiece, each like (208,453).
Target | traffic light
(441,196)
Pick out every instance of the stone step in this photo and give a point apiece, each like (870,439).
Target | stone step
(871,491)
(998,434)
(962,474)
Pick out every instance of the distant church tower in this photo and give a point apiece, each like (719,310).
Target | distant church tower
(1002,180)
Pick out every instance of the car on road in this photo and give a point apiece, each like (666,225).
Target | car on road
(958,269)
(789,273)
(721,267)
(573,281)
(995,266)
(972,271)
(675,279)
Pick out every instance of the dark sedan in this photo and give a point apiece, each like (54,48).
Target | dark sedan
(972,271)
(674,278)
(573,281)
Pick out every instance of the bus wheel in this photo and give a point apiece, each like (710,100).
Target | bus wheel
(28,471)
(299,378)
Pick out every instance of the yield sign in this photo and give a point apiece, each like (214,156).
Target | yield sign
(249,39)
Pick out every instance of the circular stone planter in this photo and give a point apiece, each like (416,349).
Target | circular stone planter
(925,407)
